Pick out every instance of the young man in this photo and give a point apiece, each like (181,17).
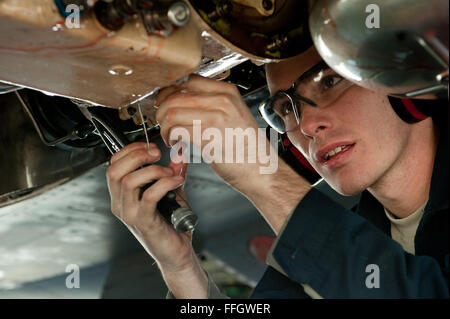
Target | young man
(395,247)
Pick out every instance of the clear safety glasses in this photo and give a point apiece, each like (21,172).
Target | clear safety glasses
(320,86)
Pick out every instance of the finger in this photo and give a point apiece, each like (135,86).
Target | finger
(199,84)
(179,167)
(165,93)
(130,162)
(181,170)
(128,208)
(205,84)
(203,101)
(158,190)
(177,162)
(130,148)
(175,139)
(183,118)
(131,184)
(145,175)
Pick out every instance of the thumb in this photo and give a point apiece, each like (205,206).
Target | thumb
(179,165)
(179,159)
(180,168)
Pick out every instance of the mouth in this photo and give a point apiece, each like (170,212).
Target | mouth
(336,154)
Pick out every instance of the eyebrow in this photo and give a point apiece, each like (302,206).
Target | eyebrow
(321,66)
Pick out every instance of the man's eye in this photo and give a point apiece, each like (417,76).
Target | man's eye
(330,81)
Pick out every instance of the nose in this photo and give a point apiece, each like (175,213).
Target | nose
(314,121)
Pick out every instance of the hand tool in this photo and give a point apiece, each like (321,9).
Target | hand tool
(182,218)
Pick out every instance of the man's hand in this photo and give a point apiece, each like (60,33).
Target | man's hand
(171,250)
(219,105)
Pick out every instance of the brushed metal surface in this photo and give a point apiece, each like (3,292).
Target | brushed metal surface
(90,63)
(405,54)
(26,164)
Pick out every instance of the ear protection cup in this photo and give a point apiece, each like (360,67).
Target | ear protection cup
(413,111)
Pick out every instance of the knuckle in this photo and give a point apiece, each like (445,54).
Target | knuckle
(111,173)
(232,88)
(225,105)
(142,156)
(220,119)
(149,197)
(225,99)
(127,183)
(171,114)
(113,158)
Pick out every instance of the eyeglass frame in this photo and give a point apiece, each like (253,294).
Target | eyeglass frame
(292,94)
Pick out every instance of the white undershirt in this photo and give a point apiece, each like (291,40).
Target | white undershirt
(403,230)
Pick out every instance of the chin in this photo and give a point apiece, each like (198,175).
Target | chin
(346,187)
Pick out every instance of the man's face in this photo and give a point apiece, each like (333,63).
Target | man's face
(360,126)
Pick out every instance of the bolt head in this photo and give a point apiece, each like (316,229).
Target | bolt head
(179,13)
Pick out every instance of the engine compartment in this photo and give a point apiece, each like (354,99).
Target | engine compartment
(58,58)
